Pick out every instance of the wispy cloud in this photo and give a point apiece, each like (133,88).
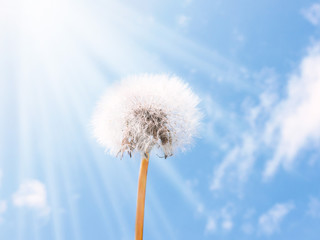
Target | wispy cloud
(295,121)
(3,206)
(183,20)
(283,126)
(211,225)
(236,164)
(221,220)
(242,150)
(32,194)
(270,221)
(312,14)
(227,214)
(3,209)
(247,228)
(314,207)
(227,224)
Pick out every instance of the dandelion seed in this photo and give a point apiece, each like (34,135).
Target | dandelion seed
(142,113)
(147,111)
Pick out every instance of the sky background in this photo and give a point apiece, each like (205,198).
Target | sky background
(252,174)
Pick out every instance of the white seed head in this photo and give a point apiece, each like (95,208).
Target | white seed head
(146,111)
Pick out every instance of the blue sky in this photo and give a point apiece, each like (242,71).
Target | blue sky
(252,174)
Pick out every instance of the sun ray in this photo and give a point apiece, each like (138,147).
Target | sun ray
(86,166)
(57,84)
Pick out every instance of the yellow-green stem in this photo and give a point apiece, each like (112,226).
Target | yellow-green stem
(141,197)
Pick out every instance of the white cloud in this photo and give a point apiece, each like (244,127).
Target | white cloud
(222,168)
(239,160)
(183,20)
(312,14)
(270,221)
(32,194)
(236,164)
(211,225)
(227,213)
(220,220)
(295,121)
(3,209)
(247,228)
(3,206)
(227,224)
(200,208)
(314,207)
(282,126)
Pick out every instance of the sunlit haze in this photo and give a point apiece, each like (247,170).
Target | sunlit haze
(251,173)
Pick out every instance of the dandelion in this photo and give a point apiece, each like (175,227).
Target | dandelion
(142,113)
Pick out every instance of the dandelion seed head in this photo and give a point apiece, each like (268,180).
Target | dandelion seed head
(146,111)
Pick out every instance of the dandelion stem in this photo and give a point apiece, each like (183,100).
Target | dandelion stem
(141,196)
